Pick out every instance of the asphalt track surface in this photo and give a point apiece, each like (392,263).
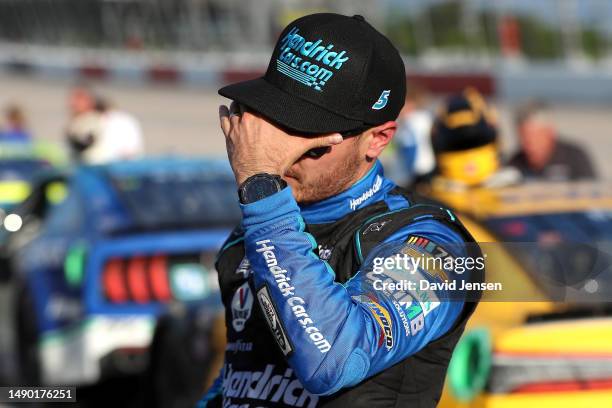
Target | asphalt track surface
(181,120)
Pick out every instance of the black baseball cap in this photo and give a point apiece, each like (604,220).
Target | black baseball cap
(328,73)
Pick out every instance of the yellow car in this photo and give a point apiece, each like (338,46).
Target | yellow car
(537,343)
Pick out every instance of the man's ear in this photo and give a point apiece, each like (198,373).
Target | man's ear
(379,137)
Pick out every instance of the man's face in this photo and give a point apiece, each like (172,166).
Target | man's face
(80,101)
(314,179)
(538,139)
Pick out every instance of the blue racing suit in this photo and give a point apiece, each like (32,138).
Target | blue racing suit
(334,334)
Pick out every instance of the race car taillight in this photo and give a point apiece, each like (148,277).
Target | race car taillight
(157,278)
(114,283)
(137,280)
(158,273)
(541,373)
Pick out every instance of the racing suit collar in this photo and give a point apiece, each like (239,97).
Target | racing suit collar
(370,188)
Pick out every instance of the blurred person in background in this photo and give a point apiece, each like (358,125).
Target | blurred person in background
(15,126)
(84,123)
(465,141)
(81,101)
(99,133)
(542,155)
(413,137)
(121,133)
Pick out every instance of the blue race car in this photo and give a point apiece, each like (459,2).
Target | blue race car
(93,273)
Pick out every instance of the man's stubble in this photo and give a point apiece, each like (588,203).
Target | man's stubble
(337,179)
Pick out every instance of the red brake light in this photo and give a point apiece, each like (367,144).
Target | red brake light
(158,271)
(137,280)
(113,281)
(156,278)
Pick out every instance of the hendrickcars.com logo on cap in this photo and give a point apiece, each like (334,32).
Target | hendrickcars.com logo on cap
(301,60)
(328,73)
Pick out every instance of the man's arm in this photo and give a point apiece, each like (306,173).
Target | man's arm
(336,335)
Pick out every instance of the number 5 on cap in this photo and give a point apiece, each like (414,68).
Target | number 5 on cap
(382,100)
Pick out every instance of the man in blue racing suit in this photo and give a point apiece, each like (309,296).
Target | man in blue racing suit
(339,287)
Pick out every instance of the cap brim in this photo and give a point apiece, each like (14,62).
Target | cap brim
(287,110)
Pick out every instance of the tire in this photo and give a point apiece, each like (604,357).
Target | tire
(5,270)
(26,331)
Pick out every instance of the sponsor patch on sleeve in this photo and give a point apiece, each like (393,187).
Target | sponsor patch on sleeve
(382,317)
(271,314)
(434,258)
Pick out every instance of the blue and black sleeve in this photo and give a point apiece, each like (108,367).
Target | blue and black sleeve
(336,335)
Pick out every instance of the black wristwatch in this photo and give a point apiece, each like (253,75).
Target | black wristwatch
(260,186)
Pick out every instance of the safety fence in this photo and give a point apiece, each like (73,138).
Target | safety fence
(468,29)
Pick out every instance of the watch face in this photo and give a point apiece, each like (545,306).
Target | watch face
(260,186)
